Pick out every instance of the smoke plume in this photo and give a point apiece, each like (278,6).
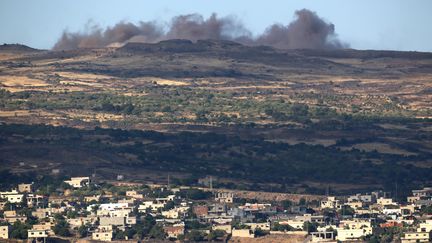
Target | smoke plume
(307,30)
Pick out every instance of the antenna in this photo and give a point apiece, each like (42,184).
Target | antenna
(168,181)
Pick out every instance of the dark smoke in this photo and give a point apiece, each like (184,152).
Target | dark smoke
(308,30)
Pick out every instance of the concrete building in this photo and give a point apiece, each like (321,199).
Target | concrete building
(242,233)
(262,226)
(37,234)
(224,197)
(78,182)
(415,237)
(331,202)
(25,188)
(103,233)
(224,227)
(4,232)
(174,231)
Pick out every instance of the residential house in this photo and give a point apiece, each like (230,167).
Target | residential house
(242,233)
(224,197)
(25,188)
(262,226)
(4,232)
(201,210)
(134,194)
(36,234)
(331,202)
(103,233)
(13,196)
(224,227)
(78,182)
(174,231)
(415,237)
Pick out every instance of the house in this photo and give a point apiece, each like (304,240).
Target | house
(354,204)
(92,198)
(164,200)
(4,232)
(331,202)
(36,201)
(362,198)
(25,188)
(415,237)
(44,226)
(112,221)
(262,226)
(175,212)
(426,226)
(201,210)
(352,234)
(353,229)
(385,201)
(77,222)
(78,182)
(12,197)
(425,192)
(134,194)
(153,206)
(36,233)
(12,217)
(174,231)
(355,224)
(103,233)
(42,213)
(224,197)
(242,233)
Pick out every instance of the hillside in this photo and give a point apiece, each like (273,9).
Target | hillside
(255,117)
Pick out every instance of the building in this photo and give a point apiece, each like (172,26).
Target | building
(385,201)
(263,226)
(224,197)
(242,233)
(103,233)
(134,194)
(12,197)
(201,210)
(224,227)
(4,232)
(415,237)
(174,231)
(25,188)
(78,182)
(352,234)
(331,202)
(36,201)
(37,234)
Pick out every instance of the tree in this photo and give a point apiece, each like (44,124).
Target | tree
(216,234)
(157,232)
(194,235)
(309,227)
(19,230)
(61,228)
(82,231)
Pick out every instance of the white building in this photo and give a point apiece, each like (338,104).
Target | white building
(4,232)
(78,182)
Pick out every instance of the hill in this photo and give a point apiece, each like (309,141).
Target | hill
(254,116)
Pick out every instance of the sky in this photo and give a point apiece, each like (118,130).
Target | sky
(364,24)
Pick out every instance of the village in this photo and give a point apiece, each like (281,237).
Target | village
(81,210)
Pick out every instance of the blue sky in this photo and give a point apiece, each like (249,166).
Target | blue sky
(364,24)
